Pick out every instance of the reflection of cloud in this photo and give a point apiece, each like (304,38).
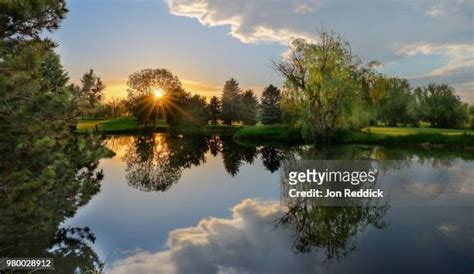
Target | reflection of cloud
(250,21)
(446,228)
(245,243)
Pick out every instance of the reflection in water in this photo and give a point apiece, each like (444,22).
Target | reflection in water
(260,236)
(32,211)
(245,243)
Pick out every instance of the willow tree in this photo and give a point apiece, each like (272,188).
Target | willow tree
(325,88)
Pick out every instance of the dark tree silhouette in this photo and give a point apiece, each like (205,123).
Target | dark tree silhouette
(214,109)
(230,102)
(271,112)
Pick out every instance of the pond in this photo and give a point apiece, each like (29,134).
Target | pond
(197,204)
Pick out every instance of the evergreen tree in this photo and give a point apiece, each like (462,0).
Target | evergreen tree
(91,93)
(271,112)
(249,108)
(214,109)
(230,102)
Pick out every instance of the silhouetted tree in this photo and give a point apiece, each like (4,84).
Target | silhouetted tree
(141,86)
(271,112)
(230,102)
(196,111)
(214,109)
(249,108)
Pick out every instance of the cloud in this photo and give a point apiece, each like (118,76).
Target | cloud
(459,56)
(449,8)
(246,243)
(251,21)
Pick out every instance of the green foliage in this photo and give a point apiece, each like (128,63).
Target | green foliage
(441,107)
(90,94)
(214,109)
(46,171)
(249,108)
(271,112)
(146,107)
(20,20)
(115,107)
(230,102)
(395,101)
(471,115)
(196,111)
(324,88)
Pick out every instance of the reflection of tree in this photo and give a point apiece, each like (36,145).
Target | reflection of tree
(331,228)
(272,157)
(155,162)
(214,145)
(32,211)
(233,155)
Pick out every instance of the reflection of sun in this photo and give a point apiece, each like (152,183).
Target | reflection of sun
(158,93)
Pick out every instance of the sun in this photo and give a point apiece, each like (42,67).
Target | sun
(158,93)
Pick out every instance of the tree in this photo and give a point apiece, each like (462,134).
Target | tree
(141,86)
(46,171)
(441,107)
(230,102)
(471,114)
(54,77)
(324,88)
(271,112)
(90,93)
(21,20)
(214,109)
(393,98)
(196,111)
(249,108)
(115,107)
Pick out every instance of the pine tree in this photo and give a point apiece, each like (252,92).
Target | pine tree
(249,104)
(271,112)
(214,109)
(230,102)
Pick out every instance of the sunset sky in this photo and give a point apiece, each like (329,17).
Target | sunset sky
(206,42)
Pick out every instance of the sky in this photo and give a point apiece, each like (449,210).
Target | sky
(206,42)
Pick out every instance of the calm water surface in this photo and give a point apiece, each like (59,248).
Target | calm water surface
(175,204)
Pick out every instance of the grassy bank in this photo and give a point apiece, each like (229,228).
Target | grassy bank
(374,135)
(129,125)
(119,125)
(269,134)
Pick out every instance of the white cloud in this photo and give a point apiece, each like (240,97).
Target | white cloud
(250,21)
(246,243)
(459,56)
(448,7)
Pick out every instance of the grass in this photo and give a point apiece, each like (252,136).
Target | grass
(271,133)
(129,125)
(400,131)
(374,135)
(119,125)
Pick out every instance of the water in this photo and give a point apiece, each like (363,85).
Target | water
(209,205)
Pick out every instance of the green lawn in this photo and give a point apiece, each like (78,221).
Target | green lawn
(129,125)
(270,133)
(400,131)
(125,124)
(372,135)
